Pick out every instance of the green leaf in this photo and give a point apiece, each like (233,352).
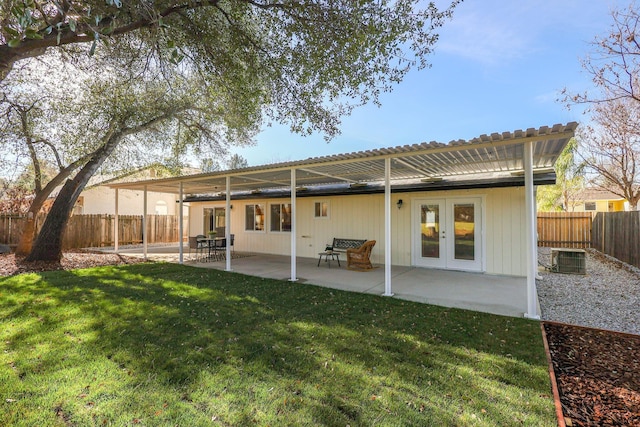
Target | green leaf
(32,34)
(13,42)
(72,25)
(12,32)
(17,10)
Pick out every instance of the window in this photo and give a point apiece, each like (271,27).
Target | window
(254,218)
(280,217)
(321,210)
(214,220)
(161,207)
(589,206)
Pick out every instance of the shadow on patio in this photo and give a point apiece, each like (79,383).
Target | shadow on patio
(504,295)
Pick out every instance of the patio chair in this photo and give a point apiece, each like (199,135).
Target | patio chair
(219,248)
(232,237)
(358,259)
(194,245)
(199,244)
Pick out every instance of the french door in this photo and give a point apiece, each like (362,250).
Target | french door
(447,233)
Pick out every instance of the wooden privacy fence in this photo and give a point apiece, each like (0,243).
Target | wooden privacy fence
(618,234)
(85,231)
(564,229)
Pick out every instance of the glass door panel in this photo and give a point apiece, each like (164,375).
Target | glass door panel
(430,226)
(464,231)
(220,224)
(429,249)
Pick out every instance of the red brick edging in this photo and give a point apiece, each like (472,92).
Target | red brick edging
(552,377)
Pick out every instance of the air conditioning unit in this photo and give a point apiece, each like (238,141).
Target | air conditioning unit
(571,261)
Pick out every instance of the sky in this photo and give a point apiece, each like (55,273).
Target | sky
(498,66)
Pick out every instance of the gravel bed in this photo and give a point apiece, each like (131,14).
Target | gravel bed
(607,297)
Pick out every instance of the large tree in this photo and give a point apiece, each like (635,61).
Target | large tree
(305,64)
(614,64)
(111,111)
(610,143)
(611,148)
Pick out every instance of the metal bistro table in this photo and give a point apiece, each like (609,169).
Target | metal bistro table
(328,257)
(215,245)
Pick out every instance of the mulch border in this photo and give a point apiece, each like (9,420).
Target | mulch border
(552,377)
(552,374)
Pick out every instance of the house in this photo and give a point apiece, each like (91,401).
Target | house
(599,200)
(97,198)
(465,205)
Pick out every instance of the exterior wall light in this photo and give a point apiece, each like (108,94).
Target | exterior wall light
(399,203)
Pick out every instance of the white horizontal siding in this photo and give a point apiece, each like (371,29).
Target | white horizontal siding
(362,217)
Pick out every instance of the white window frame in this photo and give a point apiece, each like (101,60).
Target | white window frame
(264,218)
(328,210)
(281,206)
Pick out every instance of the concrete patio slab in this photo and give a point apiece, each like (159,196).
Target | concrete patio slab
(503,295)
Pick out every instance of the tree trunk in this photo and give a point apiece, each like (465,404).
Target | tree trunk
(28,233)
(48,244)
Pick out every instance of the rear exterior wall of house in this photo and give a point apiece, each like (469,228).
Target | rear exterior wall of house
(320,219)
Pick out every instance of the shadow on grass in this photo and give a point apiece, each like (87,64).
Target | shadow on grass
(207,345)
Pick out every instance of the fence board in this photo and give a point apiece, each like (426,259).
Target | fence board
(618,234)
(85,231)
(564,229)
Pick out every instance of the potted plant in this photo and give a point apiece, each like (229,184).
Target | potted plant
(212,234)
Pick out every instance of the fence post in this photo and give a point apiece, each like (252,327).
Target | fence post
(604,251)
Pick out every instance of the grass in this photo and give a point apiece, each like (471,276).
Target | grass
(163,344)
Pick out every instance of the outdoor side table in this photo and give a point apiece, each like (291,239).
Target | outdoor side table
(328,257)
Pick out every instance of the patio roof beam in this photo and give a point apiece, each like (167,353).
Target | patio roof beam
(262,181)
(412,167)
(338,178)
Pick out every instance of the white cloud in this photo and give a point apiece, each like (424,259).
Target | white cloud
(494,32)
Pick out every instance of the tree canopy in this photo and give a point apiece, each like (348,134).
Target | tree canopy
(301,63)
(179,76)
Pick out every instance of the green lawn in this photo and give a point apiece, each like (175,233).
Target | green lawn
(164,344)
